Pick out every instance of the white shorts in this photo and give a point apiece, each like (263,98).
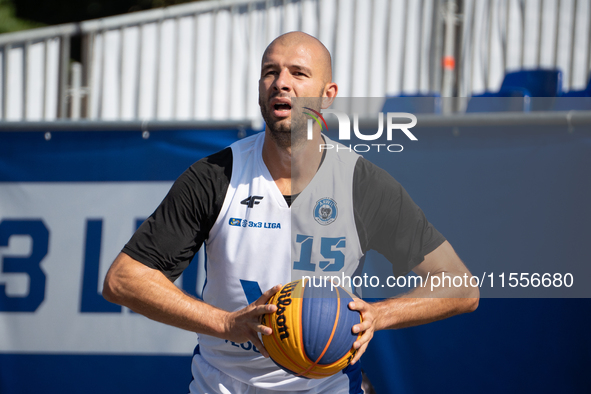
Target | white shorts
(210,380)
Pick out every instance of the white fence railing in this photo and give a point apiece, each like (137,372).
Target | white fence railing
(192,62)
(201,61)
(34,73)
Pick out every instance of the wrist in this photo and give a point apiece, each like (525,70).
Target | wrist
(384,318)
(225,324)
(213,321)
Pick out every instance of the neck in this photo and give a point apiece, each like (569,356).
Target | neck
(293,167)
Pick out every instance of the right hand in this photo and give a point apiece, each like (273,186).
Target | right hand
(245,324)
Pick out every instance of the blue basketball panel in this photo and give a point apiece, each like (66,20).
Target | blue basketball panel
(319,309)
(343,338)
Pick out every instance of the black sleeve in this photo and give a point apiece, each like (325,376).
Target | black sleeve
(170,237)
(388,221)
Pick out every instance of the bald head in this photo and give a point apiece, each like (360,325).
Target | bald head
(295,65)
(298,39)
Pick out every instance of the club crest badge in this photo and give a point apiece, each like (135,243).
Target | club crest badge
(325,211)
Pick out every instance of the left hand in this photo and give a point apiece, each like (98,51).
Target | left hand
(367,327)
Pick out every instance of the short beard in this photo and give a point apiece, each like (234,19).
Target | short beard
(299,119)
(293,132)
(280,131)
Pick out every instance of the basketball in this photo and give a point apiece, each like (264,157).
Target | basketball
(312,334)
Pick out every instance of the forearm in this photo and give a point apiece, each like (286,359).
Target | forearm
(150,293)
(426,304)
(435,299)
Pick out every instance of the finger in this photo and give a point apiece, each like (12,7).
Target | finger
(263,309)
(263,299)
(358,305)
(359,354)
(363,326)
(259,345)
(363,340)
(263,329)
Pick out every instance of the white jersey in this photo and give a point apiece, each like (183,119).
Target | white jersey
(254,241)
(258,242)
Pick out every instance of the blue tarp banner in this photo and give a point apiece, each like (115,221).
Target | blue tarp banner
(510,201)
(68,204)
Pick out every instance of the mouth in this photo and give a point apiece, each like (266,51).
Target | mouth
(281,109)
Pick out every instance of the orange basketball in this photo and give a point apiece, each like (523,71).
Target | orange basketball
(312,334)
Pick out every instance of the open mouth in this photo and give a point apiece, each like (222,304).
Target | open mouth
(282,107)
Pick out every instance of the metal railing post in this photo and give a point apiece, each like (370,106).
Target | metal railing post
(436,48)
(75,90)
(64,65)
(5,72)
(449,57)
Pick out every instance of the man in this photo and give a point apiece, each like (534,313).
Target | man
(221,199)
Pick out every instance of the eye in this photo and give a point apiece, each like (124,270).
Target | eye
(300,73)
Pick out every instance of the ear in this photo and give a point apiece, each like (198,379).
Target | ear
(260,89)
(330,93)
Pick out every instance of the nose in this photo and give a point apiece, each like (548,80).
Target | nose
(283,81)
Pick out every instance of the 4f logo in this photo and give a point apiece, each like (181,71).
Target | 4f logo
(251,201)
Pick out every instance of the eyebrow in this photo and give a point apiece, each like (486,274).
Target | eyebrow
(270,65)
(302,68)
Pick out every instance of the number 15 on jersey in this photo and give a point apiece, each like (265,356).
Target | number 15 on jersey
(329,250)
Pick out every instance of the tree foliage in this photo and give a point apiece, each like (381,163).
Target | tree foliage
(9,22)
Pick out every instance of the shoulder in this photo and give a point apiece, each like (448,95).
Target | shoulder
(248,144)
(219,163)
(205,180)
(214,168)
(372,181)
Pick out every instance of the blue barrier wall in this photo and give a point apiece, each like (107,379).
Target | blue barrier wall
(510,200)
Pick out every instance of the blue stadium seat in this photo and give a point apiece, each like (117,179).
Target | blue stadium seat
(521,91)
(414,104)
(540,83)
(505,100)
